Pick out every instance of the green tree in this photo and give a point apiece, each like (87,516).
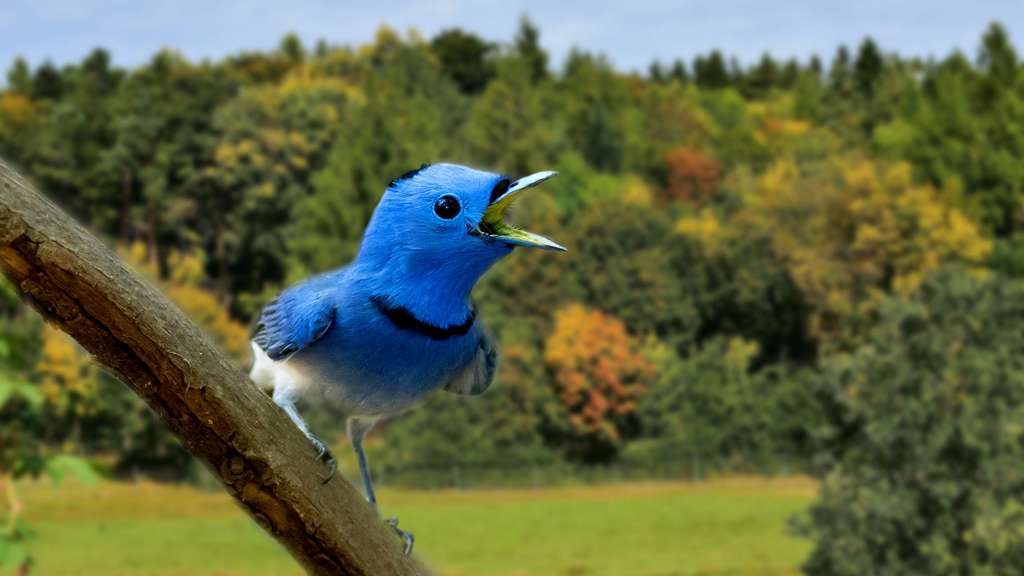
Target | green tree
(867,67)
(512,126)
(19,77)
(47,83)
(710,72)
(656,72)
(808,97)
(922,448)
(679,72)
(711,410)
(465,58)
(405,116)
(598,111)
(839,74)
(527,47)
(840,97)
(764,77)
(746,291)
(162,142)
(292,49)
(671,115)
(623,265)
(998,59)
(270,141)
(66,152)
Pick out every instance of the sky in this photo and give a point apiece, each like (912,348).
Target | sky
(631,33)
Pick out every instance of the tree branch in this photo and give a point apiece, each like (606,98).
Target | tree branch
(270,468)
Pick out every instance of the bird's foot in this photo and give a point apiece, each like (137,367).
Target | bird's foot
(325,456)
(406,537)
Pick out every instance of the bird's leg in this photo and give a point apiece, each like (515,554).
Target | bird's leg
(285,398)
(357,429)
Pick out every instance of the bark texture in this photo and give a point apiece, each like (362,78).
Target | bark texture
(269,467)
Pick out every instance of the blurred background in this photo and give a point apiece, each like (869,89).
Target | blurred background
(786,337)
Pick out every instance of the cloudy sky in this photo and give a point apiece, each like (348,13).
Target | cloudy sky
(631,33)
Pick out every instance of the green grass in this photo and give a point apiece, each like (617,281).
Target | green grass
(720,527)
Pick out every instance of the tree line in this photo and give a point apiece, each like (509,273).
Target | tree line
(764,260)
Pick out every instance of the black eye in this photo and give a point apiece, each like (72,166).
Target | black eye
(447,207)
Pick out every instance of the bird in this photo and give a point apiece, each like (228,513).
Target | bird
(378,335)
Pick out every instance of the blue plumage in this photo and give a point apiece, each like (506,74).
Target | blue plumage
(396,324)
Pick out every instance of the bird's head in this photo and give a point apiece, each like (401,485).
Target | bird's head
(450,216)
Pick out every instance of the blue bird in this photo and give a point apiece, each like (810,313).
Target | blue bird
(377,336)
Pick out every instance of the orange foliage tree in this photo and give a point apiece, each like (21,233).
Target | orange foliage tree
(691,175)
(600,372)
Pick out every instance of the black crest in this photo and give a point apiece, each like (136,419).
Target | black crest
(408,174)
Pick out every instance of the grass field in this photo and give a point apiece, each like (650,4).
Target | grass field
(729,526)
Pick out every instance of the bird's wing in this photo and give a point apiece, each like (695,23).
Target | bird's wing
(296,319)
(477,377)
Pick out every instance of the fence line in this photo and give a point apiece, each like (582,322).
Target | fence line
(543,474)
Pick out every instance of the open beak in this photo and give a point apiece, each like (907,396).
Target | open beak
(493,223)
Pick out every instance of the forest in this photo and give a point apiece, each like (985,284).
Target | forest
(787,266)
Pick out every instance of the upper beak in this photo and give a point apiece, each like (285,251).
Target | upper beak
(493,223)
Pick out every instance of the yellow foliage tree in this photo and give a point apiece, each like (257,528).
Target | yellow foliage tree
(19,116)
(66,377)
(600,371)
(17,110)
(850,231)
(184,287)
(703,227)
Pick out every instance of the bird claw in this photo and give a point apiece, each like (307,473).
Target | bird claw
(325,456)
(406,537)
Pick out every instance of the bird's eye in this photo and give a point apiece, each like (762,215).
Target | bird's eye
(447,207)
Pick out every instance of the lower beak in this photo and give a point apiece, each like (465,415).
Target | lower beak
(493,223)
